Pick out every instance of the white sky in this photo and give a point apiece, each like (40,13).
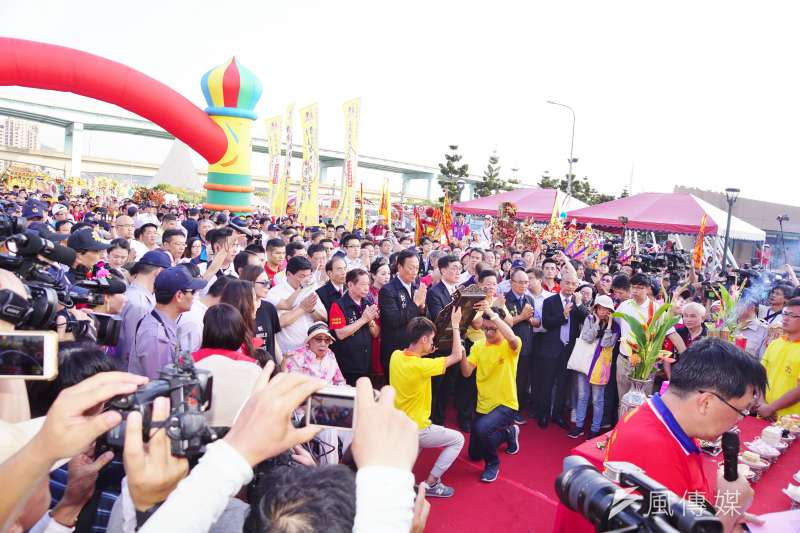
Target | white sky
(691,93)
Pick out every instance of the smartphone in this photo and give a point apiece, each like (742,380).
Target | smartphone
(332,407)
(29,355)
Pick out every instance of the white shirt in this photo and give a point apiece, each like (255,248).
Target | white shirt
(294,335)
(450,288)
(190,326)
(538,302)
(353,264)
(138,247)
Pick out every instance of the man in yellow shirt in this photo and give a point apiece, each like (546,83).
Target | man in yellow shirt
(410,374)
(496,358)
(782,361)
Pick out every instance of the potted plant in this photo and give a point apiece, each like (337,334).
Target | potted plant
(646,342)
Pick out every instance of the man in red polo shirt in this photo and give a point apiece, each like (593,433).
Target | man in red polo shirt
(276,254)
(712,387)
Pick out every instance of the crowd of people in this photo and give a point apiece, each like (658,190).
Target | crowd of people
(276,311)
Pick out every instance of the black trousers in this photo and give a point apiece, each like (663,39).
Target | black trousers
(351,377)
(524,380)
(551,383)
(449,384)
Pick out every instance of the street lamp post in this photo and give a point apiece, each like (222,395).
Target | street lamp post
(460,187)
(781,220)
(571,146)
(731,194)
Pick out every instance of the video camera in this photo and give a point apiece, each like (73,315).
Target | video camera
(659,262)
(189,390)
(611,507)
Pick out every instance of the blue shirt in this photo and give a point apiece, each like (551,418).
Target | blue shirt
(154,345)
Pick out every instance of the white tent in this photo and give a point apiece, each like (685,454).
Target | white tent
(740,230)
(178,169)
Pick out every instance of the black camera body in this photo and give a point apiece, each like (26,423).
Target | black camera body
(189,390)
(611,508)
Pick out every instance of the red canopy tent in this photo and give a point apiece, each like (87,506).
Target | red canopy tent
(530,203)
(649,211)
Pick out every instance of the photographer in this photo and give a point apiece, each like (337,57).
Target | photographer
(712,388)
(89,250)
(71,425)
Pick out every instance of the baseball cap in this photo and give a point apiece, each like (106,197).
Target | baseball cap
(317,328)
(87,239)
(45,233)
(174,279)
(156,258)
(604,301)
(519,263)
(33,209)
(58,208)
(273,227)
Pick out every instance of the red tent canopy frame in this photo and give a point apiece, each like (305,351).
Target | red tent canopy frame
(530,203)
(649,211)
(47,66)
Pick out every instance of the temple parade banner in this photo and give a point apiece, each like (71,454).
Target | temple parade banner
(274,127)
(345,214)
(308,205)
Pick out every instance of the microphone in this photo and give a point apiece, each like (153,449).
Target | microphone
(32,244)
(730,454)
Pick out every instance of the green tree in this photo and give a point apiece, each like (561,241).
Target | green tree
(581,189)
(491,182)
(450,172)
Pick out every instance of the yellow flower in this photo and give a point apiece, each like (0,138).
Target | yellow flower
(634,359)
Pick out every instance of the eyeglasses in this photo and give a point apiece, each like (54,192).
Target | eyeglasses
(322,339)
(789,315)
(743,413)
(265,283)
(124,225)
(488,329)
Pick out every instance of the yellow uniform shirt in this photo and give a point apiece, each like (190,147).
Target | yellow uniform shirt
(782,361)
(410,375)
(496,374)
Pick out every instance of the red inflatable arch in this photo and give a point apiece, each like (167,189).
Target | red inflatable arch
(47,66)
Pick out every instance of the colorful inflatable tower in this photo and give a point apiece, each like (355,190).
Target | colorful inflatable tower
(231,92)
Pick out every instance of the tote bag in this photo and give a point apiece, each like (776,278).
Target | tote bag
(581,358)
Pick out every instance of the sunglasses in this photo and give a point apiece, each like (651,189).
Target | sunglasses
(265,283)
(322,339)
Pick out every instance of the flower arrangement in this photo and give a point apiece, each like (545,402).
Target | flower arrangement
(143,194)
(648,340)
(726,314)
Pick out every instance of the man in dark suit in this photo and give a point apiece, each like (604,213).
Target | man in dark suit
(562,317)
(439,295)
(336,270)
(399,301)
(520,305)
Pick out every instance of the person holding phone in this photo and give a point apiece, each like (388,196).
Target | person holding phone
(410,375)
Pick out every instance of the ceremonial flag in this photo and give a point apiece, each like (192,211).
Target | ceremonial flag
(281,197)
(385,209)
(347,207)
(274,127)
(447,217)
(697,254)
(418,226)
(362,215)
(554,214)
(308,204)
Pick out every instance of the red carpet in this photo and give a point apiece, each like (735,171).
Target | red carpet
(523,498)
